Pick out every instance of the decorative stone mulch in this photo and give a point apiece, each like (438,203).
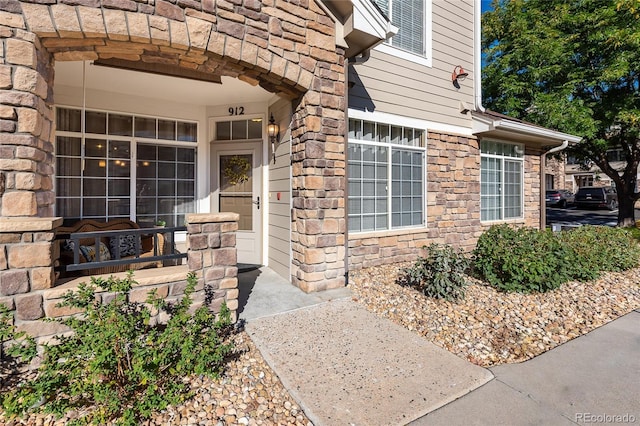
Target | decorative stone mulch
(486,328)
(249,393)
(489,327)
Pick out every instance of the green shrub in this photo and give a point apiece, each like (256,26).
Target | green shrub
(440,274)
(16,348)
(523,260)
(118,365)
(596,249)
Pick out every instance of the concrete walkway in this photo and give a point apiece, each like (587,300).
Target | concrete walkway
(346,366)
(592,379)
(343,364)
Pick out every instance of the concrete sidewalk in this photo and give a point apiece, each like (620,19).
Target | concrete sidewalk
(347,366)
(594,378)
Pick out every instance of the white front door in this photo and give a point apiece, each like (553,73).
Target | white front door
(237,178)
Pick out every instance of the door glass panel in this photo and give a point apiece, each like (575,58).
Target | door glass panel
(236,183)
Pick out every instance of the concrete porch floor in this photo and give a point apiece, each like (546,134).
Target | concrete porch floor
(262,292)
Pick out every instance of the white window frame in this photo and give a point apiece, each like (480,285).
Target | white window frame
(503,158)
(391,147)
(133,141)
(427,59)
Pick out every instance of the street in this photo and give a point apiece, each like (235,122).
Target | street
(572,215)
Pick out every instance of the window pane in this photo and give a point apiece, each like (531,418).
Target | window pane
(96,122)
(145,127)
(68,146)
(95,207)
(69,187)
(68,207)
(120,125)
(255,128)
(68,166)
(167,130)
(408,16)
(407,197)
(187,132)
(119,187)
(223,130)
(68,120)
(186,155)
(239,129)
(119,149)
(94,187)
(95,168)
(95,148)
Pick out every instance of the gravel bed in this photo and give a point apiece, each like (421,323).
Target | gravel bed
(486,327)
(489,327)
(249,393)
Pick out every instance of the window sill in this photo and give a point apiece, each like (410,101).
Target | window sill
(386,233)
(499,221)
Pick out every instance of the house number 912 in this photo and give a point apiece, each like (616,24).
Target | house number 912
(236,110)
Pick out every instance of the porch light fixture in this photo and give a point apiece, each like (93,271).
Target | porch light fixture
(273,130)
(458,75)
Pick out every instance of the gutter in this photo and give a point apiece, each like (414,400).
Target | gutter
(477,53)
(543,163)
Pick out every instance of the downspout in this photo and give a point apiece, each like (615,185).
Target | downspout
(355,60)
(477,53)
(543,163)
(346,170)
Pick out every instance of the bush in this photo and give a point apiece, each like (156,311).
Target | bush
(440,274)
(117,364)
(528,260)
(596,249)
(523,260)
(16,348)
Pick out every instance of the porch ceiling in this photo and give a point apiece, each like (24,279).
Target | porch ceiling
(160,87)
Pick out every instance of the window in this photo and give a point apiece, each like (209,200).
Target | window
(386,176)
(501,180)
(124,166)
(413,19)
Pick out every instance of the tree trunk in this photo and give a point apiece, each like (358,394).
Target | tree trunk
(626,207)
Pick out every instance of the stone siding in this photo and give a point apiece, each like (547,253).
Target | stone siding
(453,205)
(25,289)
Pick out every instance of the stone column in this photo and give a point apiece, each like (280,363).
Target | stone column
(318,185)
(27,255)
(212,255)
(26,122)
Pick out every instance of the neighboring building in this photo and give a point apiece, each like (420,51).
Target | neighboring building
(578,175)
(154,109)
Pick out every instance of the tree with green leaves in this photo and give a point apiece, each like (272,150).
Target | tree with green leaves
(574,66)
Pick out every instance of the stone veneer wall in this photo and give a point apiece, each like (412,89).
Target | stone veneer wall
(26,289)
(556,168)
(287,47)
(453,205)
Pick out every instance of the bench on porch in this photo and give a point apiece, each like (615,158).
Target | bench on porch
(115,246)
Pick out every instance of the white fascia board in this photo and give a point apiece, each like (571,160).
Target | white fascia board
(514,126)
(484,124)
(368,19)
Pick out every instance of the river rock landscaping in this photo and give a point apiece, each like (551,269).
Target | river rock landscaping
(489,327)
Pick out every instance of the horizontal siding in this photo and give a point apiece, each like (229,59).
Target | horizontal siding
(279,229)
(386,83)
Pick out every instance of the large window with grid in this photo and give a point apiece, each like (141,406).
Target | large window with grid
(410,16)
(112,165)
(386,167)
(501,180)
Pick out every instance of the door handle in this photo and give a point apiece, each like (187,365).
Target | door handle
(257,202)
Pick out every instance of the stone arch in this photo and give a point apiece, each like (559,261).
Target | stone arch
(286,47)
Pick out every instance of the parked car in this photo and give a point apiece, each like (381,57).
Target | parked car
(591,196)
(559,198)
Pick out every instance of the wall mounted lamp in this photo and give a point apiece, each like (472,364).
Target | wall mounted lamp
(273,130)
(458,75)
